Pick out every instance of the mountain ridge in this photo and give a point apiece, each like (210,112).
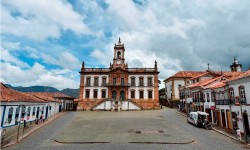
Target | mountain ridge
(70,92)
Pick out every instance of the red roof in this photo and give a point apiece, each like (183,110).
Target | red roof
(10,95)
(204,82)
(240,76)
(217,85)
(50,96)
(186,74)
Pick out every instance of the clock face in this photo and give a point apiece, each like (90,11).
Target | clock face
(118,62)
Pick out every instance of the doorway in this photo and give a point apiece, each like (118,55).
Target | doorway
(113,94)
(122,95)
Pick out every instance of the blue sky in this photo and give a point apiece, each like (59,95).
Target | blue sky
(43,42)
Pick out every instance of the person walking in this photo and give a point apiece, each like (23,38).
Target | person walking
(238,132)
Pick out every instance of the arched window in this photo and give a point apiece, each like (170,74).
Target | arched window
(242,94)
(118,54)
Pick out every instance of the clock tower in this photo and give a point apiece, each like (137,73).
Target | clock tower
(119,60)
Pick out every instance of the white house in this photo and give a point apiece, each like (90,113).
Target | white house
(239,93)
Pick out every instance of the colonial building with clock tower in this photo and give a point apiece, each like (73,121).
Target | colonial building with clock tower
(118,87)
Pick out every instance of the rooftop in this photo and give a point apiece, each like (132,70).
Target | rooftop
(10,95)
(50,96)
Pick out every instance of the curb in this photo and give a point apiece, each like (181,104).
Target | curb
(224,134)
(11,144)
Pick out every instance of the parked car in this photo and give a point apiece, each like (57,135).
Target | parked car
(197,118)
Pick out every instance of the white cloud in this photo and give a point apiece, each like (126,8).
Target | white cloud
(40,19)
(7,57)
(63,59)
(37,75)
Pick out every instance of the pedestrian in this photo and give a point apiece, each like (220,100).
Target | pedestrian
(238,132)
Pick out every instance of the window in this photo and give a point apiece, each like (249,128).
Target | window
(17,113)
(132,94)
(23,111)
(242,93)
(122,81)
(188,82)
(95,93)
(208,98)
(170,87)
(114,81)
(10,114)
(103,93)
(118,54)
(29,109)
(88,82)
(87,94)
(150,94)
(133,81)
(141,81)
(96,81)
(42,109)
(141,94)
(150,81)
(179,85)
(104,81)
(231,93)
(212,96)
(34,111)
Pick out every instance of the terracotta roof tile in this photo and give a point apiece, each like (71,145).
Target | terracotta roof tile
(217,85)
(50,96)
(10,95)
(240,76)
(186,74)
(204,82)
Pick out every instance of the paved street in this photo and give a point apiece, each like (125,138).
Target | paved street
(80,129)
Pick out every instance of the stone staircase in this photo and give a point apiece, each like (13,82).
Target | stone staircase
(116,105)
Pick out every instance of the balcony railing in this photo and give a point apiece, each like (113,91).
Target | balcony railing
(119,84)
(222,102)
(198,100)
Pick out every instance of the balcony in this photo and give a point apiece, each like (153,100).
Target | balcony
(118,84)
(222,102)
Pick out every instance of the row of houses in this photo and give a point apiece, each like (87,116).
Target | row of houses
(225,96)
(26,107)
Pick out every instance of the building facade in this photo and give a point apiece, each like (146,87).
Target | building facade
(118,85)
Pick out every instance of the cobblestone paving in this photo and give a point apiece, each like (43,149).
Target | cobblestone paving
(44,138)
(121,127)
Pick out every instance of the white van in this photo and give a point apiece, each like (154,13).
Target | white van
(193,117)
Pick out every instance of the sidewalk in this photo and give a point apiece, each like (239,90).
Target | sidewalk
(29,129)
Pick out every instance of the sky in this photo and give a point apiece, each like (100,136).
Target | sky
(44,42)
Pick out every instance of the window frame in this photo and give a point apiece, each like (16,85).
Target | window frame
(141,96)
(87,91)
(104,92)
(150,97)
(141,81)
(150,81)
(132,96)
(95,93)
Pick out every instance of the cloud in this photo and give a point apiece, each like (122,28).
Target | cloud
(181,35)
(63,59)
(7,57)
(42,19)
(37,75)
